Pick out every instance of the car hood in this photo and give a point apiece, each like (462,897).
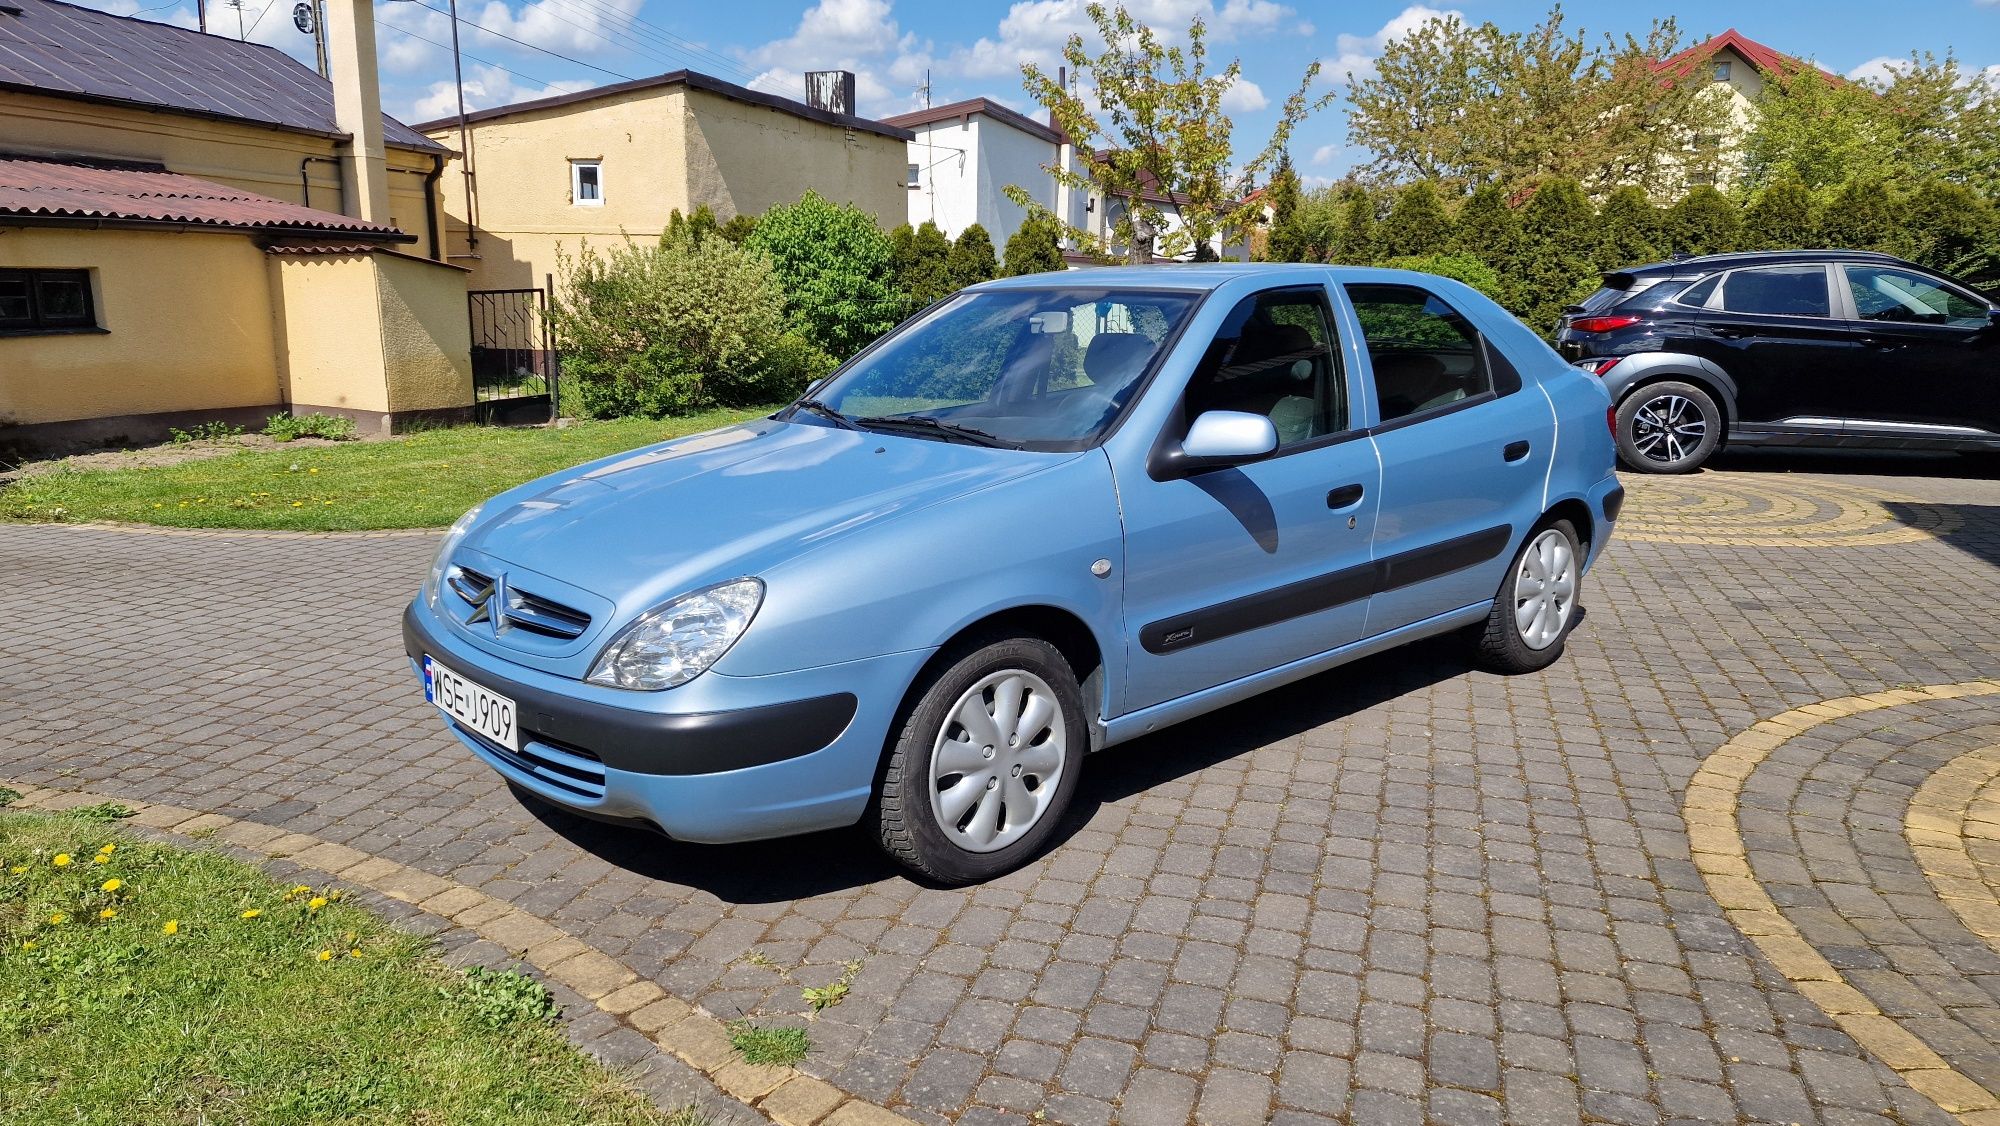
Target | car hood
(642,527)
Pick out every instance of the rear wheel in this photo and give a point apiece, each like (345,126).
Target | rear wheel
(1536,604)
(1668,428)
(985,762)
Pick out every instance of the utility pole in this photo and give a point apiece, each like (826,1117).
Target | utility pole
(464,141)
(201,14)
(929,174)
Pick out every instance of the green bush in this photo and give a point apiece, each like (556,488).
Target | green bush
(1458,267)
(1417,225)
(835,269)
(1628,227)
(1035,247)
(686,323)
(922,258)
(972,260)
(1557,261)
(1703,222)
(214,430)
(1780,218)
(288,427)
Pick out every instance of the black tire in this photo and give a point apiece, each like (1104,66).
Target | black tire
(1645,446)
(910,830)
(1499,646)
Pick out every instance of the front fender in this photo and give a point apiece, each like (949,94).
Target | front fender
(1652,367)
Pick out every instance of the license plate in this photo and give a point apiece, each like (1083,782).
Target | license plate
(480,709)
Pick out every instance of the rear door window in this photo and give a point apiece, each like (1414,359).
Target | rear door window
(1424,353)
(1778,291)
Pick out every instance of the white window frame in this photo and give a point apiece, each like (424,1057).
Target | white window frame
(576,182)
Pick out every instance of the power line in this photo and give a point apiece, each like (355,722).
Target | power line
(524,43)
(474,58)
(667,41)
(635,43)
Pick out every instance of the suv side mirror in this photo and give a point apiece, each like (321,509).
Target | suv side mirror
(1218,439)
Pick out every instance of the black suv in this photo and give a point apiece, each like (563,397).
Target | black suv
(1795,348)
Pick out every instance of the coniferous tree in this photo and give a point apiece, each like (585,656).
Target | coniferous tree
(1488,230)
(1780,218)
(1284,240)
(1702,222)
(922,262)
(1417,224)
(1034,248)
(971,259)
(1628,229)
(1948,227)
(1862,215)
(1558,251)
(1357,227)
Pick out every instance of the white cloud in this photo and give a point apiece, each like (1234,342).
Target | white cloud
(485,87)
(552,24)
(1325,154)
(181,15)
(1881,68)
(1244,96)
(1356,54)
(1248,17)
(856,35)
(1035,30)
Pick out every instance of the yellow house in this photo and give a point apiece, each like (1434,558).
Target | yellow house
(618,160)
(1736,68)
(188,233)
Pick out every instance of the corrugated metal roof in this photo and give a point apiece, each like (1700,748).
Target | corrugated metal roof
(66,51)
(51,189)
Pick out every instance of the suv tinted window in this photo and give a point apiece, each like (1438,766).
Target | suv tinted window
(1779,291)
(1699,293)
(1274,356)
(1425,353)
(1882,293)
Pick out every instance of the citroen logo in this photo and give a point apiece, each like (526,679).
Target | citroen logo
(490,605)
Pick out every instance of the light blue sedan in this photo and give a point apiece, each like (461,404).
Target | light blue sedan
(1046,516)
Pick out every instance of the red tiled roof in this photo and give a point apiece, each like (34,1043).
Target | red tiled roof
(1767,59)
(148,194)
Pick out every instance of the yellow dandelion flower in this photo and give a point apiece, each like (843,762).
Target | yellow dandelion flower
(355,953)
(315,903)
(252,913)
(18,869)
(108,913)
(108,849)
(58,919)
(349,936)
(312,471)
(171,926)
(62,860)
(100,858)
(298,504)
(326,955)
(28,944)
(112,885)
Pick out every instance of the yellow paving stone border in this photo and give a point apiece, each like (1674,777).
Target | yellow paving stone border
(1716,840)
(1960,800)
(227,533)
(1763,511)
(785,1095)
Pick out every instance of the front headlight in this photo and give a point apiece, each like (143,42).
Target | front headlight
(680,640)
(435,580)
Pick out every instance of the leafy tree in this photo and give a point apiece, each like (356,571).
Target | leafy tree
(1284,241)
(674,326)
(1154,115)
(1944,124)
(1035,247)
(1628,228)
(922,258)
(1780,217)
(1417,224)
(836,268)
(1476,105)
(1458,267)
(1814,128)
(1557,261)
(1861,215)
(1313,235)
(1931,120)
(1702,222)
(1357,245)
(972,260)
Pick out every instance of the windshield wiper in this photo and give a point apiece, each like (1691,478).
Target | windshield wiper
(939,426)
(825,412)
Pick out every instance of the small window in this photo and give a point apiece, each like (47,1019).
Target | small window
(1274,356)
(1777,291)
(586,183)
(1722,71)
(1425,354)
(1900,296)
(1698,294)
(914,178)
(45,301)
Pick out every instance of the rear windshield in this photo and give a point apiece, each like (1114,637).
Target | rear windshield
(1617,290)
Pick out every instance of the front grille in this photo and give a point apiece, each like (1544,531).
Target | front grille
(571,770)
(517,609)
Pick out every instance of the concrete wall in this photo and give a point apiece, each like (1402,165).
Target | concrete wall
(256,158)
(426,338)
(663,149)
(187,320)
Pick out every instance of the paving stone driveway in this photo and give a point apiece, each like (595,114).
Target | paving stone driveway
(1400,891)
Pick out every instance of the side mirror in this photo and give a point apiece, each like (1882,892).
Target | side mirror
(1218,439)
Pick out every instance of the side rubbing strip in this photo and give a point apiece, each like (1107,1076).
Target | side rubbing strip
(1322,592)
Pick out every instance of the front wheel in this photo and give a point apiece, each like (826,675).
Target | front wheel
(1668,428)
(985,763)
(1536,604)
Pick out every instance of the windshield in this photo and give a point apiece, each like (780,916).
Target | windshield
(1040,369)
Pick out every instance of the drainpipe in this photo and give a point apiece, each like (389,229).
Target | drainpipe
(431,179)
(305,184)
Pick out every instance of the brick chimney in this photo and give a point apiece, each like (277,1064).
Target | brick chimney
(357,108)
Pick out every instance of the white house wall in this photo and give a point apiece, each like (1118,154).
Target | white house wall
(966,166)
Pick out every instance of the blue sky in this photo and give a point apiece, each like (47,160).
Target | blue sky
(977,48)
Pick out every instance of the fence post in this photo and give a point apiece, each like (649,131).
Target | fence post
(549,350)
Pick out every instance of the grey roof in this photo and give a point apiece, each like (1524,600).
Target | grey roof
(69,52)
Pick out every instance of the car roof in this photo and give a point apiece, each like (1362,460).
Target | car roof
(1708,262)
(1201,276)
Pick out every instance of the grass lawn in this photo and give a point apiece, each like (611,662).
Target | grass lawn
(141,983)
(423,480)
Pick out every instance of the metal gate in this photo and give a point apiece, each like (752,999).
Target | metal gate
(514,361)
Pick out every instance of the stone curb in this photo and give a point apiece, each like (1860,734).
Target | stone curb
(1719,852)
(785,1095)
(229,533)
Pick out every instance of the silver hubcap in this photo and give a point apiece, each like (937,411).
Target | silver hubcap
(1545,589)
(1668,429)
(997,763)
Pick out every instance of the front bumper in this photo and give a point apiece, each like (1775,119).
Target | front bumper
(748,757)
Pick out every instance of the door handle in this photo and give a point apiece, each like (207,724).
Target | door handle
(1346,496)
(1726,332)
(1515,451)
(1879,344)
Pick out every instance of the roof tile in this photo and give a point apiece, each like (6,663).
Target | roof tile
(74,190)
